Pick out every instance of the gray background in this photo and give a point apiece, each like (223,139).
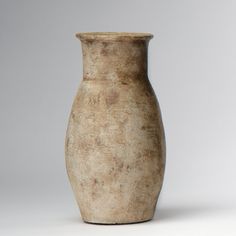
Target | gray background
(192,69)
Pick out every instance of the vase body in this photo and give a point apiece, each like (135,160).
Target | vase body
(115,145)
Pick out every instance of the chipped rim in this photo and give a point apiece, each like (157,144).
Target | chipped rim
(113,36)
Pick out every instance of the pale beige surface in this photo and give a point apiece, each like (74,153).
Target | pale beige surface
(115,147)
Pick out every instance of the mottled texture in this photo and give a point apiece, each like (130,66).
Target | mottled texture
(115,146)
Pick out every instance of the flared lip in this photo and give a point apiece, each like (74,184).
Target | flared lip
(113,36)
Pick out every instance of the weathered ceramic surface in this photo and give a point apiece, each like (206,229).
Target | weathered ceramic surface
(115,146)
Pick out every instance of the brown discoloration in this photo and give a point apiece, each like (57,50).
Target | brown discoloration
(105,49)
(105,44)
(115,146)
(124,82)
(73,115)
(112,98)
(98,141)
(104,52)
(120,166)
(67,142)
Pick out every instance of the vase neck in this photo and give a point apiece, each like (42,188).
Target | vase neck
(114,60)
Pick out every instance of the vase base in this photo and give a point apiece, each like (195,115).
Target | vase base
(116,223)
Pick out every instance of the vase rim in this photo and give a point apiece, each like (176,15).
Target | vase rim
(113,36)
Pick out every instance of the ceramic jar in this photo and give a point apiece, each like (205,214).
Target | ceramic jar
(115,145)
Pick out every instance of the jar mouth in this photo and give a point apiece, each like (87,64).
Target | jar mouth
(113,36)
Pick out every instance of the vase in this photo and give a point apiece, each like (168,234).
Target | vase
(115,144)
